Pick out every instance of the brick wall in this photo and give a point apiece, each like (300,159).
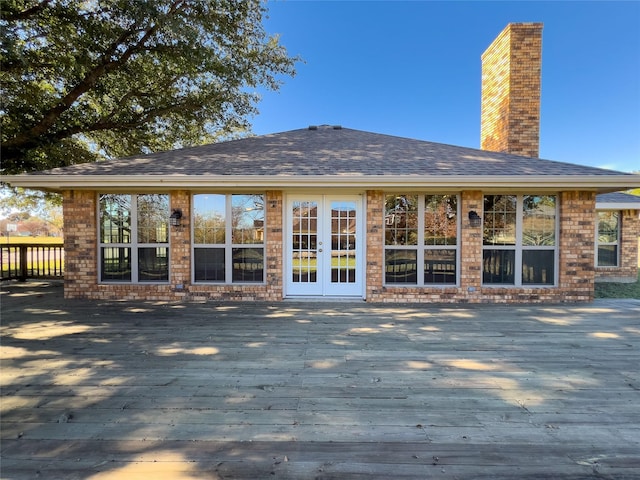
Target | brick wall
(81,257)
(375,245)
(180,244)
(575,275)
(627,271)
(510,109)
(576,245)
(80,243)
(471,245)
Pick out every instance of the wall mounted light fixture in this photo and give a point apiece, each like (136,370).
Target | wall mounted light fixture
(474,219)
(176,216)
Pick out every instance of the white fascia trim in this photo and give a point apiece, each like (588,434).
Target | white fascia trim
(608,183)
(618,206)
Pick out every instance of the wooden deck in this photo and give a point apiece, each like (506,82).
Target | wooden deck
(317,390)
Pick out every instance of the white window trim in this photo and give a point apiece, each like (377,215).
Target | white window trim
(420,247)
(134,246)
(519,247)
(228,246)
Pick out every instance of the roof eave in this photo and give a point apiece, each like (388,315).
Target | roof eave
(617,205)
(600,184)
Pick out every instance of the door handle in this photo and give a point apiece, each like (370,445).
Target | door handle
(320,250)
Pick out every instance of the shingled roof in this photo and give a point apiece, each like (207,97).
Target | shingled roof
(617,201)
(327,156)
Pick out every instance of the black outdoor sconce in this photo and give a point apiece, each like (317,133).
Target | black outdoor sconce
(474,219)
(176,216)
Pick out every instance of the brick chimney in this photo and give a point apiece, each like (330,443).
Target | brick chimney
(510,116)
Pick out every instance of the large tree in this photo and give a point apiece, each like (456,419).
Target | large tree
(87,79)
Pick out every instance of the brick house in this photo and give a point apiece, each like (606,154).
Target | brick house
(617,237)
(327,211)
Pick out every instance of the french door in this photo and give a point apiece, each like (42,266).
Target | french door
(324,245)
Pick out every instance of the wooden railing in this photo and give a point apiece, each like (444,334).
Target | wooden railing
(21,261)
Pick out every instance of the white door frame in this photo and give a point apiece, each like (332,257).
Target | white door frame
(314,276)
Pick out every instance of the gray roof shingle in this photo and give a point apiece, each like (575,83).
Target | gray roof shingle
(328,151)
(618,198)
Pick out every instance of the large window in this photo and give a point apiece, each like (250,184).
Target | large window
(519,240)
(421,239)
(608,236)
(228,238)
(134,238)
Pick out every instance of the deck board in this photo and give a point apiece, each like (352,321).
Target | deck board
(345,391)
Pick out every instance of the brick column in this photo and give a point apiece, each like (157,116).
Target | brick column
(510,109)
(375,245)
(470,245)
(80,243)
(630,231)
(577,243)
(274,248)
(180,243)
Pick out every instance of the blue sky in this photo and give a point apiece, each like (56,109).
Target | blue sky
(413,69)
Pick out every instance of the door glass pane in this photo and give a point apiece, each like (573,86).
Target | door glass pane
(304,230)
(537,267)
(343,242)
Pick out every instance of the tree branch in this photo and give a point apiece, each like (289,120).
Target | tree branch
(25,14)
(26,138)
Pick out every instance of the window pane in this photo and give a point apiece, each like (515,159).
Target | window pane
(153,218)
(440,266)
(153,264)
(248,219)
(209,264)
(537,267)
(304,257)
(440,219)
(498,267)
(607,255)
(248,264)
(401,266)
(115,264)
(115,218)
(608,227)
(209,219)
(401,220)
(539,220)
(500,219)
(343,242)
